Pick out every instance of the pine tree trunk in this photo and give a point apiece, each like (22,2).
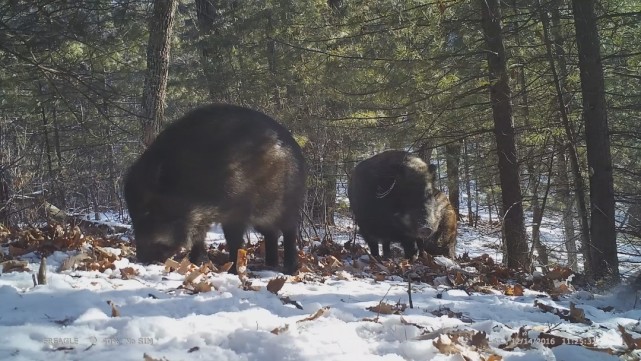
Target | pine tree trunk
(425,151)
(563,184)
(570,141)
(155,86)
(500,97)
(605,263)
(452,160)
(532,161)
(468,185)
(565,190)
(210,57)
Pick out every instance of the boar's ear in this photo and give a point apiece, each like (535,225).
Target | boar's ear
(432,168)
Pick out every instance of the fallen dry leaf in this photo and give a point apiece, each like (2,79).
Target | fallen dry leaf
(171,265)
(516,290)
(289,301)
(72,261)
(226,267)
(518,339)
(382,308)
(191,277)
(128,273)
(184,267)
(559,273)
(103,254)
(445,345)
(202,286)
(149,358)
(630,342)
(480,341)
(577,315)
(321,312)
(18,251)
(380,277)
(279,330)
(114,311)
(14,266)
(458,279)
(241,262)
(275,284)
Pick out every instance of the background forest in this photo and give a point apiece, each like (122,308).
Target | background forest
(493,92)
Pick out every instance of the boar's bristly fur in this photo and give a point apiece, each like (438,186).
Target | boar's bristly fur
(393,199)
(218,164)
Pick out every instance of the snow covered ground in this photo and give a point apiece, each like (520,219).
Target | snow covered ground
(71,317)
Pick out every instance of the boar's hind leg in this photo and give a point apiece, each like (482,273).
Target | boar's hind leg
(234,238)
(271,246)
(372,243)
(409,248)
(387,248)
(290,258)
(198,251)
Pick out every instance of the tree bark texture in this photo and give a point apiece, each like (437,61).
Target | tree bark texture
(468,187)
(569,144)
(567,150)
(155,86)
(208,38)
(500,97)
(605,263)
(452,157)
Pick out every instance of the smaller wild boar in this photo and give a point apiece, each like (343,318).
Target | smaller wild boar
(218,164)
(393,199)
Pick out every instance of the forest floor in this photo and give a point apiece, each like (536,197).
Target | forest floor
(94,303)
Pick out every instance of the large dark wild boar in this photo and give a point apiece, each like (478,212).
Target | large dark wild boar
(218,164)
(393,198)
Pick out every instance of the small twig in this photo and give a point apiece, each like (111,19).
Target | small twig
(311,222)
(409,291)
(378,309)
(42,272)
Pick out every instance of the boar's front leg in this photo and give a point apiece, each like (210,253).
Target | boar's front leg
(234,238)
(290,258)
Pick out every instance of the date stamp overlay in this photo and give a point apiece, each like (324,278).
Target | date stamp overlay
(93,340)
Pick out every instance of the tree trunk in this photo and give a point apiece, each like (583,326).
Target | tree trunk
(569,200)
(500,97)
(532,160)
(60,179)
(570,141)
(605,263)
(425,151)
(272,61)
(155,86)
(210,59)
(563,184)
(634,218)
(452,160)
(468,185)
(47,150)
(537,217)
